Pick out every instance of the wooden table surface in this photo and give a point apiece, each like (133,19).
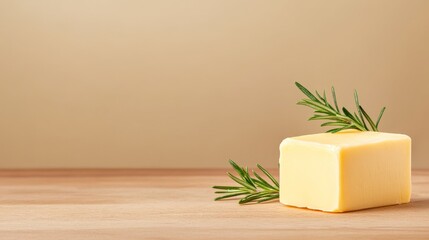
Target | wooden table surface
(178,204)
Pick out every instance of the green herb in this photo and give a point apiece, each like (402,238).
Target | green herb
(254,189)
(332,115)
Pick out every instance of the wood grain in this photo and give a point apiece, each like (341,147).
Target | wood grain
(178,204)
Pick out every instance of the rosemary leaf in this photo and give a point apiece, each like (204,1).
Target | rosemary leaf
(368,118)
(274,196)
(379,116)
(268,175)
(229,195)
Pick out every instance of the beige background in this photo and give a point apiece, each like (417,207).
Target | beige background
(193,83)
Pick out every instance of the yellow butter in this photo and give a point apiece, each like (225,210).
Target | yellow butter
(345,171)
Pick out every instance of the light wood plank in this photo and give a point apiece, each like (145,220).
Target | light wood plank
(178,204)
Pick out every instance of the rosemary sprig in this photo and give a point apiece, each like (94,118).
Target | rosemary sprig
(334,117)
(256,189)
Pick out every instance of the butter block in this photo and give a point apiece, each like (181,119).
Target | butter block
(345,171)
